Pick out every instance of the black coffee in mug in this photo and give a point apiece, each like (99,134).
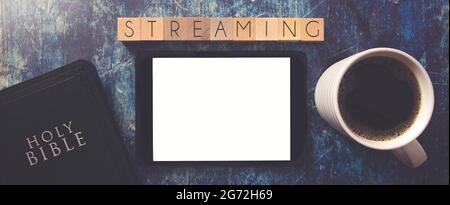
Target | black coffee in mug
(379,98)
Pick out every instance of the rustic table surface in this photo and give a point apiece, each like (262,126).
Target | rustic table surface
(38,36)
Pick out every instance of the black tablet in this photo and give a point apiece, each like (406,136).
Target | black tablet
(220,108)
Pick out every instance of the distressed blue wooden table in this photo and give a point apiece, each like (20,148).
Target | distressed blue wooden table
(38,36)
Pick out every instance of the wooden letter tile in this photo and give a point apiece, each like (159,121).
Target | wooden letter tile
(128,29)
(152,29)
(244,29)
(289,29)
(266,29)
(312,29)
(197,28)
(175,29)
(221,29)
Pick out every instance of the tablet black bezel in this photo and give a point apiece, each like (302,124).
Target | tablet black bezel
(144,117)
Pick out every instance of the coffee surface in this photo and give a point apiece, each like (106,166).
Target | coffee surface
(379,98)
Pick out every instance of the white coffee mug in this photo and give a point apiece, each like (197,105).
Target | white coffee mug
(405,147)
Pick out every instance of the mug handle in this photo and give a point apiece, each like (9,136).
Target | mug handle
(412,154)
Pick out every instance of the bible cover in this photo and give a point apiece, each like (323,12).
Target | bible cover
(58,129)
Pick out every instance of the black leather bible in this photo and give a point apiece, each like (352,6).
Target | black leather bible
(58,129)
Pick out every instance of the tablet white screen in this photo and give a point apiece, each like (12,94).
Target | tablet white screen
(221,109)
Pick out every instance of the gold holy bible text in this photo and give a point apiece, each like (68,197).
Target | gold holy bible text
(220,29)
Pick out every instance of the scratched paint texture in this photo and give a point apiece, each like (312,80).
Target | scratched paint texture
(38,36)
